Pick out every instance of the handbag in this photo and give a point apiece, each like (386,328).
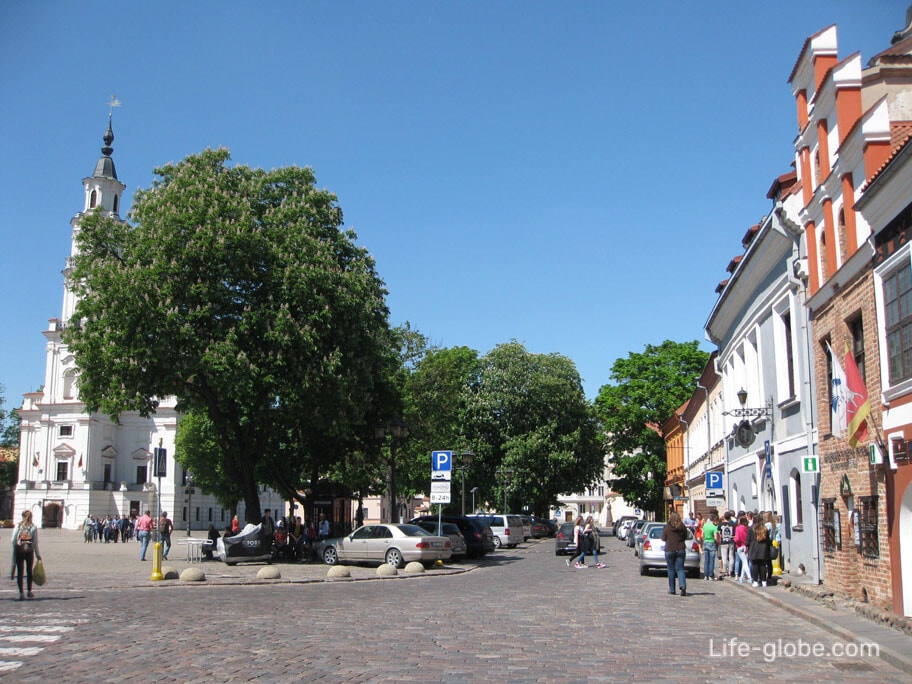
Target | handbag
(774,552)
(39,576)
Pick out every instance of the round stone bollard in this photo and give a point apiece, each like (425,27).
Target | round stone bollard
(193,575)
(414,568)
(170,572)
(338,571)
(269,572)
(387,570)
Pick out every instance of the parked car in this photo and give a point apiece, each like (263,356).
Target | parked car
(620,521)
(451,531)
(564,543)
(641,536)
(507,529)
(630,538)
(539,529)
(528,528)
(549,525)
(478,535)
(624,527)
(652,555)
(386,543)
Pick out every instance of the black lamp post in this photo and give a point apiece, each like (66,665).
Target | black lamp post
(189,492)
(505,475)
(465,460)
(398,431)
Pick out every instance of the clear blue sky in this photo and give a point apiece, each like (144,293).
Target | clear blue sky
(572,175)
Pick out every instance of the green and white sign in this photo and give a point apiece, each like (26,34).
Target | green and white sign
(810,464)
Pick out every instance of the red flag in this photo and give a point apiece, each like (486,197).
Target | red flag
(857,405)
(80,461)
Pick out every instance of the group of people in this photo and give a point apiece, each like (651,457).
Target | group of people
(107,528)
(586,539)
(743,546)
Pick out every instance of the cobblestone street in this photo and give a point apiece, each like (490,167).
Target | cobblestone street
(520,616)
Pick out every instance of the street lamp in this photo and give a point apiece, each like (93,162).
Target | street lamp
(505,475)
(398,430)
(465,458)
(189,492)
(473,490)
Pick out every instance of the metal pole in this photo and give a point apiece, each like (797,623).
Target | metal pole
(463,490)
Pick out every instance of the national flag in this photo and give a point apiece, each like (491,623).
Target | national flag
(838,396)
(857,405)
(80,461)
(35,460)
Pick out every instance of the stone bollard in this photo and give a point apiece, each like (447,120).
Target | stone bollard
(169,572)
(338,571)
(192,575)
(269,572)
(387,570)
(414,568)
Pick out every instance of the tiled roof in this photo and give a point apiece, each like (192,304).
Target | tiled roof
(900,134)
(898,53)
(804,49)
(733,264)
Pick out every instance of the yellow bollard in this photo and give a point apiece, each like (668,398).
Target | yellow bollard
(777,564)
(157,562)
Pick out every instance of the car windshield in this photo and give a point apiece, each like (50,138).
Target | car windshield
(413,531)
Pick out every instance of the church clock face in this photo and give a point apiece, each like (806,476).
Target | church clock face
(745,434)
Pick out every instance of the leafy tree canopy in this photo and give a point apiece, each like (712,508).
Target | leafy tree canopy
(9,439)
(236,291)
(647,389)
(527,413)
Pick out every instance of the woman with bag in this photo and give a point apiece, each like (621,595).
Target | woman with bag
(25,551)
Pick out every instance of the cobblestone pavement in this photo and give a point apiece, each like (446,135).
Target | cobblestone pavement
(520,615)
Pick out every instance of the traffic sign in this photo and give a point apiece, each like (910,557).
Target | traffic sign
(440,497)
(441,466)
(810,465)
(440,487)
(714,480)
(714,501)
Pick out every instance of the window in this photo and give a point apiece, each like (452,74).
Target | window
(870,547)
(858,350)
(69,384)
(829,367)
(93,199)
(830,525)
(897,289)
(142,474)
(107,473)
(116,203)
(65,431)
(210,515)
(63,471)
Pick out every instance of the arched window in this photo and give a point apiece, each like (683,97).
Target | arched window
(116,202)
(69,384)
(841,232)
(816,168)
(93,199)
(822,252)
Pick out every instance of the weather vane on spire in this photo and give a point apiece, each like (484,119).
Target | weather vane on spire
(113,103)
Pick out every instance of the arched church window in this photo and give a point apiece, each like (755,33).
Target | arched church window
(116,202)
(69,384)
(93,199)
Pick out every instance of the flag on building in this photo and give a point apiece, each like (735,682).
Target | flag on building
(857,405)
(80,461)
(35,460)
(838,396)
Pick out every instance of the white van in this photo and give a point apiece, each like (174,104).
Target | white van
(507,529)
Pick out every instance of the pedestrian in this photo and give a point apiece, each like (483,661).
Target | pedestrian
(710,543)
(698,533)
(591,535)
(727,544)
(741,536)
(165,528)
(690,522)
(25,551)
(579,539)
(323,528)
(143,533)
(674,534)
(211,543)
(758,552)
(267,529)
(235,525)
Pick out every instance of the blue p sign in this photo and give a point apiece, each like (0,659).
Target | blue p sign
(441,461)
(714,480)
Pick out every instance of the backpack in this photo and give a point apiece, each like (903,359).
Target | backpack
(727,530)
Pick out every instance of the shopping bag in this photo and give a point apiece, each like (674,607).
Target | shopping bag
(38,575)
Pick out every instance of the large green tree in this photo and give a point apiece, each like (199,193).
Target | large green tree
(527,414)
(237,291)
(9,438)
(647,387)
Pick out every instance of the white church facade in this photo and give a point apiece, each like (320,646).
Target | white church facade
(72,463)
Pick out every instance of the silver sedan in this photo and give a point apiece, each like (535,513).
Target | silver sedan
(385,543)
(652,553)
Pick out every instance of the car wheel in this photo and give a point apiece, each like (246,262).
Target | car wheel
(330,555)
(644,569)
(497,542)
(394,558)
(232,563)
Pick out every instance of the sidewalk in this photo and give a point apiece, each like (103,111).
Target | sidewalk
(895,646)
(73,565)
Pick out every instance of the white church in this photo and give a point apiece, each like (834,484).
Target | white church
(72,463)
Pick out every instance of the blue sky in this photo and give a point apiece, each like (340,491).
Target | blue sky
(575,176)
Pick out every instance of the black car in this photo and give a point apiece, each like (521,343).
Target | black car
(478,536)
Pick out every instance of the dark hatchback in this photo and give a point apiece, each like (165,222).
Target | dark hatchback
(478,536)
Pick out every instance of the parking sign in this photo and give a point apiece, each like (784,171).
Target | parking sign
(713,480)
(441,465)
